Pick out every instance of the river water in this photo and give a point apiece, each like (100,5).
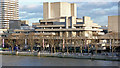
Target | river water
(50,61)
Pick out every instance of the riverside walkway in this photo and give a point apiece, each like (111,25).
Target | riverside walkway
(63,55)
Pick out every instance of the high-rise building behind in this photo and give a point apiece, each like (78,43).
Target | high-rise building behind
(113,24)
(8,11)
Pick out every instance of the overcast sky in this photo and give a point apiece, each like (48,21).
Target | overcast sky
(32,10)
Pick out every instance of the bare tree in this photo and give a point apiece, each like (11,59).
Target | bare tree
(75,43)
(93,42)
(88,46)
(31,41)
(10,41)
(55,44)
(0,41)
(113,38)
(40,40)
(66,40)
(84,41)
(21,40)
(51,42)
(81,46)
(80,43)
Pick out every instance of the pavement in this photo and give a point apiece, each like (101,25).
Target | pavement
(63,55)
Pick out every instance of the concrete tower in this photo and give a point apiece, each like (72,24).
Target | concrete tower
(59,9)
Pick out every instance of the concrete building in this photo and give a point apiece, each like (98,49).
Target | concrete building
(14,24)
(71,26)
(18,24)
(60,18)
(113,24)
(16,27)
(8,11)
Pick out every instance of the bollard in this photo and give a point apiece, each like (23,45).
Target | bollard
(38,54)
(16,53)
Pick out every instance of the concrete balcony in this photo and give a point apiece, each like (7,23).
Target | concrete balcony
(98,34)
(101,33)
(78,29)
(51,26)
(79,25)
